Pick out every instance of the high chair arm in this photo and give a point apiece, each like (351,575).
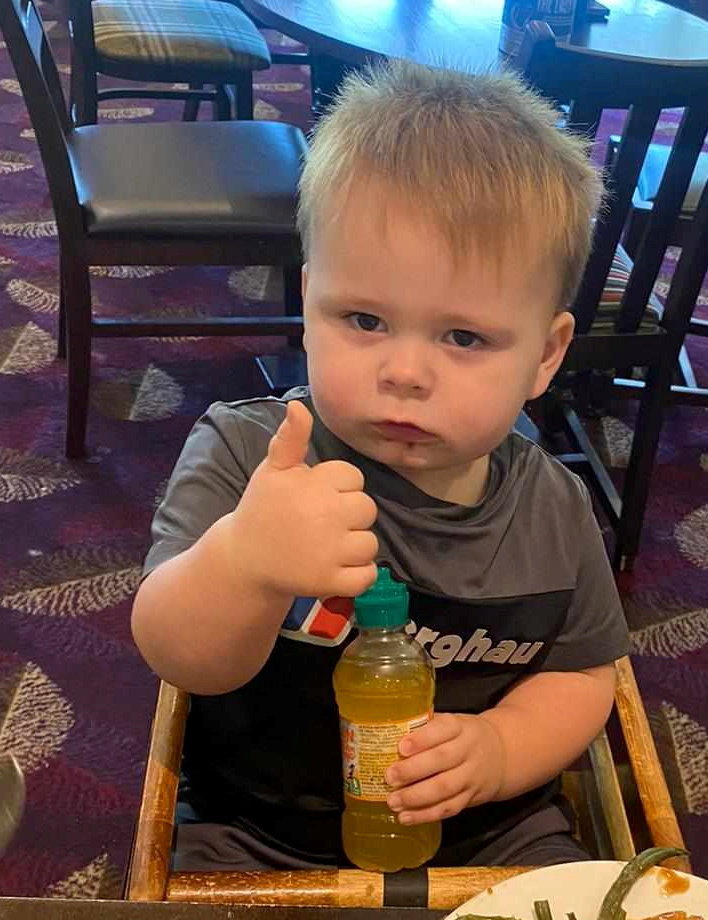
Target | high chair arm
(150,878)
(152,846)
(646,767)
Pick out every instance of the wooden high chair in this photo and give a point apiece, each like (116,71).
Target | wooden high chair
(619,812)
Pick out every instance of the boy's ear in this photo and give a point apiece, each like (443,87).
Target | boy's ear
(559,337)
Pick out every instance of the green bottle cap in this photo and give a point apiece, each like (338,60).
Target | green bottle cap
(384,605)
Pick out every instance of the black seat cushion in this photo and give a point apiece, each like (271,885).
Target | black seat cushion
(177,179)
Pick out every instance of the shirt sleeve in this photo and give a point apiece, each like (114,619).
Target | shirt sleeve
(595,630)
(207,482)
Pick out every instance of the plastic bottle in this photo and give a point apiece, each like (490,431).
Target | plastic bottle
(385,685)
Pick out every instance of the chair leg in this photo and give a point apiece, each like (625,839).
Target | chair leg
(292,296)
(61,331)
(641,464)
(244,96)
(222,104)
(191,106)
(83,96)
(77,289)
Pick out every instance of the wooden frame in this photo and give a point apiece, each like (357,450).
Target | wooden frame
(600,788)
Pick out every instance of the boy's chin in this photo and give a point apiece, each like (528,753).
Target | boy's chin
(401,460)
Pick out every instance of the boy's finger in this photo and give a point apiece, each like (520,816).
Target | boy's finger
(429,791)
(340,475)
(427,763)
(360,510)
(437,812)
(353,580)
(441,728)
(288,446)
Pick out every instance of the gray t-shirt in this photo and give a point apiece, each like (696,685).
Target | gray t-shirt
(518,583)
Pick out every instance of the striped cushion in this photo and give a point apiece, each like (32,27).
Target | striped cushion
(615,285)
(207,35)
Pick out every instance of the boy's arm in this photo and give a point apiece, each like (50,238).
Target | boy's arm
(546,721)
(201,622)
(207,619)
(541,725)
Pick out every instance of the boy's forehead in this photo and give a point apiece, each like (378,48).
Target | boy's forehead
(374,226)
(373,218)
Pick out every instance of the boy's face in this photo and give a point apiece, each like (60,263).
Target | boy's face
(416,363)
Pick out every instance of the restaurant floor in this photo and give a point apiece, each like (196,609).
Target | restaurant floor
(75,698)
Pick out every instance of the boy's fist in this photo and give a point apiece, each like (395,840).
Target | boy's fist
(305,531)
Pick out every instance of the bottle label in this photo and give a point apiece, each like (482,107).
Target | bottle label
(368,749)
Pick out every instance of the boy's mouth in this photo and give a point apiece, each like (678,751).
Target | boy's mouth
(402,431)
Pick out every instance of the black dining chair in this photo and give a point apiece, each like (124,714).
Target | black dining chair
(643,200)
(174,193)
(619,322)
(202,43)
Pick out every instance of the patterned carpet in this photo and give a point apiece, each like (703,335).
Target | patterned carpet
(75,698)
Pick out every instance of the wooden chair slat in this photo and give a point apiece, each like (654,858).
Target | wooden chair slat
(152,847)
(636,137)
(648,775)
(687,146)
(610,795)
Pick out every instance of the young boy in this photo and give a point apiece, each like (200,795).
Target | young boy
(445,223)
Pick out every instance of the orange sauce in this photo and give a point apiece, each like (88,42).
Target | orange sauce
(671,882)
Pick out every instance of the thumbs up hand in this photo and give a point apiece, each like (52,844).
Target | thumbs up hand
(305,531)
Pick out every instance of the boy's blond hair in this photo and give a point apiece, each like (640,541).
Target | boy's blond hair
(480,156)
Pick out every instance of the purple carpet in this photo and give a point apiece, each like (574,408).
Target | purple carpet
(75,699)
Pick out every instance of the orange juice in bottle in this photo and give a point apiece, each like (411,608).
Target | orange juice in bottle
(385,684)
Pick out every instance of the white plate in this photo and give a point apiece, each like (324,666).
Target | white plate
(580,887)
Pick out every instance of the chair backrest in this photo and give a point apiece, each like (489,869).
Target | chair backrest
(39,80)
(590,82)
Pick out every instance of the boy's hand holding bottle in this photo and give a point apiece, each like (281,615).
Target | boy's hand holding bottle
(453,762)
(305,531)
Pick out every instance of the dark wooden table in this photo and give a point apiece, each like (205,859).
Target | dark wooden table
(56,909)
(465,33)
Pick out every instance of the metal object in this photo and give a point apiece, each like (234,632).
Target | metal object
(12,799)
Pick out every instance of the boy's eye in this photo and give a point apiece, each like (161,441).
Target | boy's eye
(463,338)
(365,321)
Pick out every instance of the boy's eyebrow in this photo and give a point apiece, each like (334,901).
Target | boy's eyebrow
(353,303)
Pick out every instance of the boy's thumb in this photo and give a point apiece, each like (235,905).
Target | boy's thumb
(288,446)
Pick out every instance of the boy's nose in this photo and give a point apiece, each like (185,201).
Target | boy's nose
(405,369)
